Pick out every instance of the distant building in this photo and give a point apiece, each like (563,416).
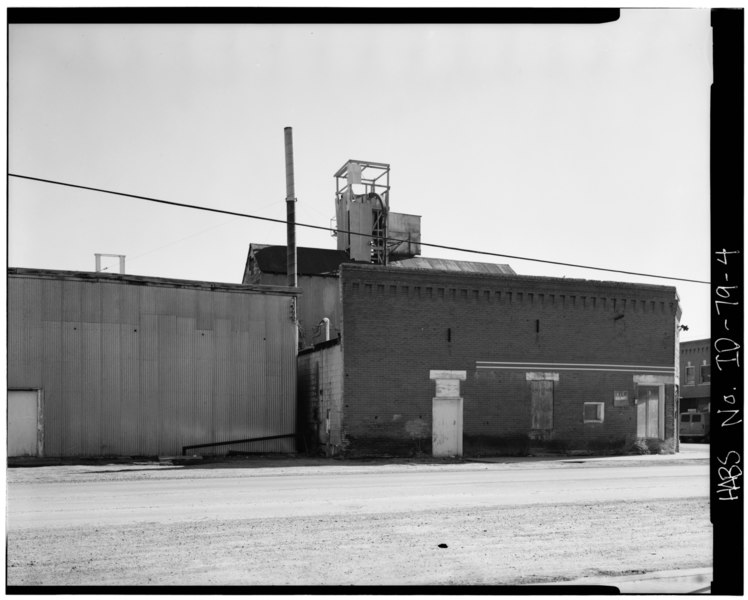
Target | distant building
(695,374)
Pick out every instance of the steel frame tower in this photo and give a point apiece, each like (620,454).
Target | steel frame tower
(353,205)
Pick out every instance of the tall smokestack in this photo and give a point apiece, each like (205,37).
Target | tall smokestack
(290,212)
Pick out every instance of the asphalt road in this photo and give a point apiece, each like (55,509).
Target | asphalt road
(251,494)
(54,512)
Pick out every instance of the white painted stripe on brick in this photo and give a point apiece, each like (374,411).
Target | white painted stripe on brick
(544,364)
(653,370)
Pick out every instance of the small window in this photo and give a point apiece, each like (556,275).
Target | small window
(594,412)
(685,418)
(690,375)
(695,418)
(706,373)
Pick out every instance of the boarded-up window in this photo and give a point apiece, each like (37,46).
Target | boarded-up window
(542,404)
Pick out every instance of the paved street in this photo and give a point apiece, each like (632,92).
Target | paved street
(150,507)
(251,494)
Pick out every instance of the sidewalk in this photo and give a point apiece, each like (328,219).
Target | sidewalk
(688,454)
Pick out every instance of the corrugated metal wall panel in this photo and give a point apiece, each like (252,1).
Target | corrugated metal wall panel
(225,417)
(149,379)
(90,369)
(33,354)
(167,380)
(91,303)
(72,440)
(278,313)
(24,336)
(54,409)
(72,435)
(123,376)
(268,418)
(111,396)
(130,304)
(91,394)
(71,301)
(129,389)
(147,301)
(18,343)
(260,388)
(187,428)
(283,372)
(206,347)
(204,311)
(51,299)
(110,302)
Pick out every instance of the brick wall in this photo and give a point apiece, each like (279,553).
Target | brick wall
(400,324)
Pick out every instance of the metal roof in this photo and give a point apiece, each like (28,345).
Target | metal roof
(145,280)
(321,261)
(461,266)
(309,261)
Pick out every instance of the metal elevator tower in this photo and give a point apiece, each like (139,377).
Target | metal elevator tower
(366,228)
(361,207)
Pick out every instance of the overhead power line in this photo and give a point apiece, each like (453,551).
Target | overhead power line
(320,227)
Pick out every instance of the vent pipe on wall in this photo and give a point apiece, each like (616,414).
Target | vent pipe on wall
(290,211)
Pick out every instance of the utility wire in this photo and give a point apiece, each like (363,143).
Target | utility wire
(338,231)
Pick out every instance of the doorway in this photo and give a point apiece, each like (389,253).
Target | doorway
(648,419)
(541,407)
(446,435)
(24,423)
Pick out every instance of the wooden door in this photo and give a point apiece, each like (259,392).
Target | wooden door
(542,405)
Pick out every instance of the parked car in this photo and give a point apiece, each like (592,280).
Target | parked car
(694,426)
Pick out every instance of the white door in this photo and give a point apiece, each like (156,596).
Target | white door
(446,431)
(648,411)
(23,423)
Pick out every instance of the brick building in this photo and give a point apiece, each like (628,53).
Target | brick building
(452,357)
(695,375)
(527,361)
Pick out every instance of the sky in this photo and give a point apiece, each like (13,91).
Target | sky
(584,144)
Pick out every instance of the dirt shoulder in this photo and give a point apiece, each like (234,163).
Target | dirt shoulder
(481,546)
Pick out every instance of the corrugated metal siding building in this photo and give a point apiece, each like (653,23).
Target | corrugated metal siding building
(141,366)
